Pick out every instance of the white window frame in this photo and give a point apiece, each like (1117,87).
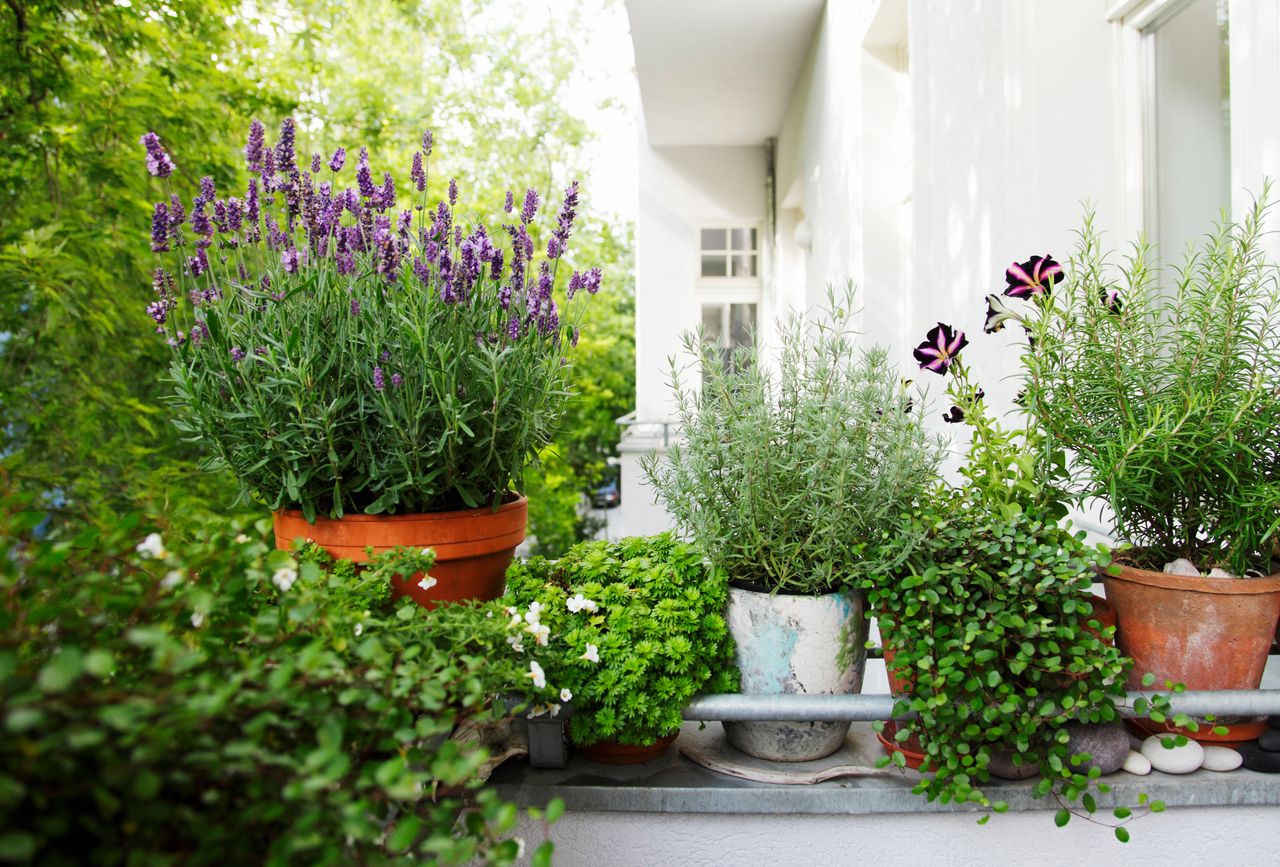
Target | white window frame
(730,289)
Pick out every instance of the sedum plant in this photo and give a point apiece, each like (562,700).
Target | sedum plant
(1166,402)
(342,346)
(635,629)
(792,479)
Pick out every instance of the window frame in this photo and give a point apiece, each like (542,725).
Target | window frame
(727,283)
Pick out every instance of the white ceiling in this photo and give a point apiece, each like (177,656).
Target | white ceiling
(718,72)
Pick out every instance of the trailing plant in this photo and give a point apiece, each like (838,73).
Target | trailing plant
(351,349)
(792,478)
(635,630)
(226,703)
(990,622)
(1166,400)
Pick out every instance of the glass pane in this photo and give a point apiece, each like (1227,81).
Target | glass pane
(711,322)
(744,266)
(714,239)
(744,239)
(714,266)
(742,324)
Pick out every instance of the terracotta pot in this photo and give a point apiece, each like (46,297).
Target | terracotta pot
(473,547)
(910,748)
(614,753)
(1207,633)
(1105,613)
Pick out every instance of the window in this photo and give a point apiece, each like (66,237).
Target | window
(729,326)
(730,253)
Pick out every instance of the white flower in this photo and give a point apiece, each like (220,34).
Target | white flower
(284,578)
(537,674)
(592,654)
(512,610)
(197,619)
(516,645)
(489,614)
(152,546)
(426,552)
(241,539)
(359,630)
(171,579)
(555,710)
(539,632)
(566,695)
(535,712)
(580,603)
(534,614)
(519,848)
(427,582)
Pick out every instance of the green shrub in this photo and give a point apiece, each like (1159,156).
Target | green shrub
(230,704)
(635,630)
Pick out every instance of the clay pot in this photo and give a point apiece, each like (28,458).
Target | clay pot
(1207,633)
(614,753)
(910,748)
(1105,613)
(473,547)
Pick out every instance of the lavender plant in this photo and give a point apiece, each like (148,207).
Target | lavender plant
(342,347)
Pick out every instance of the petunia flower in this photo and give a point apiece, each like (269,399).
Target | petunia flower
(940,348)
(580,603)
(1035,276)
(592,654)
(954,416)
(1111,299)
(998,313)
(565,694)
(538,676)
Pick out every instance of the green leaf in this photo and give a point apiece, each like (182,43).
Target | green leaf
(1061,818)
(542,855)
(1122,834)
(406,831)
(555,809)
(59,673)
(99,662)
(17,846)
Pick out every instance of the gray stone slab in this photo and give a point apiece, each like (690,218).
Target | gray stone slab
(676,785)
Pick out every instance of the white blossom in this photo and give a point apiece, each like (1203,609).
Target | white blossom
(566,695)
(427,582)
(284,578)
(592,654)
(359,630)
(516,644)
(171,579)
(537,674)
(534,615)
(539,632)
(580,603)
(153,547)
(555,710)
(197,619)
(241,539)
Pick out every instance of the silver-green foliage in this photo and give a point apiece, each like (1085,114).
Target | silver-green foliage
(794,477)
(1170,402)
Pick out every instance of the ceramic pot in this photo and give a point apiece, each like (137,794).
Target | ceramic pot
(614,753)
(473,547)
(1208,633)
(790,644)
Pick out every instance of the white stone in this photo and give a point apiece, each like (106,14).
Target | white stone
(1221,759)
(1174,760)
(1215,572)
(1137,763)
(1181,567)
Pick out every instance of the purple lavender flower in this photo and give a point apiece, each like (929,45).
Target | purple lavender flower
(355,306)
(159,311)
(504,296)
(422,270)
(427,141)
(509,203)
(385,197)
(160,229)
(573,341)
(418,173)
(364,177)
(235,214)
(495,265)
(199,263)
(198,333)
(530,209)
(453,192)
(253,149)
(385,356)
(286,156)
(940,348)
(1035,276)
(568,211)
(513,328)
(177,214)
(158,162)
(316,163)
(397,380)
(207,189)
(268,171)
(338,160)
(343,255)
(442,223)
(237,354)
(200,221)
(592,285)
(378,382)
(220,215)
(403,224)
(292,260)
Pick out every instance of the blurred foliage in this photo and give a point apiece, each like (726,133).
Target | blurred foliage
(81,421)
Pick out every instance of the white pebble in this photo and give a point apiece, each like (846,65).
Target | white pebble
(1176,760)
(1215,572)
(1137,763)
(1181,566)
(1221,759)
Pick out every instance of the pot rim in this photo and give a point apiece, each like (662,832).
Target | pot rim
(520,502)
(762,590)
(1188,584)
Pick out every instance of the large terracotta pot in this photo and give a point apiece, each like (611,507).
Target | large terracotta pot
(614,753)
(1207,633)
(473,547)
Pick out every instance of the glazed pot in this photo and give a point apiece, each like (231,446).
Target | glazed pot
(473,547)
(1207,633)
(790,644)
(614,753)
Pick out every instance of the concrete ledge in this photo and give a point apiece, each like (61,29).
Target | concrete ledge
(673,784)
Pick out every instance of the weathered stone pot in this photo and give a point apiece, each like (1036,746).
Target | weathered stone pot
(792,644)
(1207,633)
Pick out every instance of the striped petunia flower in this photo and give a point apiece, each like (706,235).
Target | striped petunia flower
(1035,276)
(1111,299)
(998,313)
(940,348)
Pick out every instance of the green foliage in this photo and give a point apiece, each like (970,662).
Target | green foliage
(225,703)
(1169,405)
(652,610)
(794,481)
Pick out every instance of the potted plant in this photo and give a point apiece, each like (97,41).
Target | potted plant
(633,629)
(792,481)
(1167,404)
(376,370)
(989,629)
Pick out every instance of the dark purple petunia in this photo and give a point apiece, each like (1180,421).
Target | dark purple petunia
(1111,300)
(378,382)
(338,160)
(954,416)
(160,229)
(940,348)
(418,173)
(254,147)
(530,208)
(998,313)
(158,162)
(1036,276)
